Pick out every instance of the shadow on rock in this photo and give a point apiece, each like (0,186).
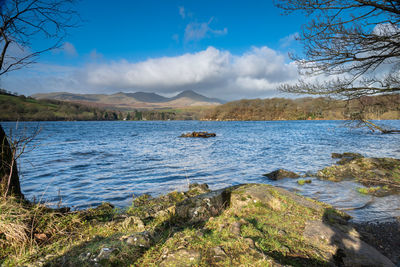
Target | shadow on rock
(334,236)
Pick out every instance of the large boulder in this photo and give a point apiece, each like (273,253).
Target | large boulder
(200,208)
(273,221)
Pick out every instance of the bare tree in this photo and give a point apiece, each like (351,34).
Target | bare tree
(21,21)
(12,148)
(9,180)
(351,47)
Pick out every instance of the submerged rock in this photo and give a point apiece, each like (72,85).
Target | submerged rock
(349,155)
(199,134)
(280,174)
(382,173)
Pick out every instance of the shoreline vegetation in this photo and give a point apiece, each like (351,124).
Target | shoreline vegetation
(250,225)
(247,225)
(21,108)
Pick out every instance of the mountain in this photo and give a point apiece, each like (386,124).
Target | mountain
(148,97)
(195,96)
(141,100)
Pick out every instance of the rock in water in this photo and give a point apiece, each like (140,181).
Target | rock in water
(199,134)
(280,174)
(382,173)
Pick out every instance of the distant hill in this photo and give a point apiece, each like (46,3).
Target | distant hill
(138,100)
(147,97)
(20,108)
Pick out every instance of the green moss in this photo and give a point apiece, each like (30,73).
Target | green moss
(369,190)
(253,231)
(302,181)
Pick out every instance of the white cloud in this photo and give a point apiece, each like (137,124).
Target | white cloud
(166,72)
(213,72)
(195,31)
(69,49)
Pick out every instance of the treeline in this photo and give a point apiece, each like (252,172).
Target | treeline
(20,108)
(376,107)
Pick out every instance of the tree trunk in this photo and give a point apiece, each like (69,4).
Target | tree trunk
(9,179)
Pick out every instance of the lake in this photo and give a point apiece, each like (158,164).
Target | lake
(82,164)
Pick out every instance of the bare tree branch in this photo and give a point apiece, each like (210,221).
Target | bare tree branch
(351,47)
(21,21)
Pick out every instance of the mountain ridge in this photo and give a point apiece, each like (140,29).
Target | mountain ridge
(124,101)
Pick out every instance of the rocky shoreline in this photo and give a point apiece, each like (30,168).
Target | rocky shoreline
(243,225)
(380,176)
(248,225)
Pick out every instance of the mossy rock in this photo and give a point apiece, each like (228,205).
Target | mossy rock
(370,172)
(199,134)
(245,225)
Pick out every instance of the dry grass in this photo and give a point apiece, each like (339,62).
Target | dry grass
(14,226)
(25,227)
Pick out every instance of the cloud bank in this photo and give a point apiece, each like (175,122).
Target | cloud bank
(213,72)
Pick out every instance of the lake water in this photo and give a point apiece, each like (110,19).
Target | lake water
(83,164)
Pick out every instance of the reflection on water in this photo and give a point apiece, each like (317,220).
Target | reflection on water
(92,162)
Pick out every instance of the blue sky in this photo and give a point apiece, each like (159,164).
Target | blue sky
(226,49)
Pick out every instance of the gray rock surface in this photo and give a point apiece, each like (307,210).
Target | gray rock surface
(182,258)
(346,247)
(202,207)
(280,174)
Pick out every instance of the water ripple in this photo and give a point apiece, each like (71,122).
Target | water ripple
(93,162)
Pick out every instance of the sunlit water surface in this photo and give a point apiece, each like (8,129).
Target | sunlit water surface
(85,163)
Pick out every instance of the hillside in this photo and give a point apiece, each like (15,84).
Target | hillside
(377,107)
(130,101)
(21,108)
